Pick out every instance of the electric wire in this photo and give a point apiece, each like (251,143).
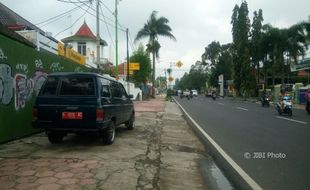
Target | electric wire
(107,7)
(133,48)
(72,2)
(71,24)
(57,17)
(95,11)
(107,27)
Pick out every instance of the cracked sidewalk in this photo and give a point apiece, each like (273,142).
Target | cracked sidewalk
(162,152)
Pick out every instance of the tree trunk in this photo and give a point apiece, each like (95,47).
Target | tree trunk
(153,76)
(282,74)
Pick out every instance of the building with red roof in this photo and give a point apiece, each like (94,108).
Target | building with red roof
(84,42)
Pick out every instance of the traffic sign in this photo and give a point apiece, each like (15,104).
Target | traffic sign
(179,64)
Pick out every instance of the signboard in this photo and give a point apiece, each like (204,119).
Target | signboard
(179,64)
(134,66)
(302,65)
(61,49)
(75,56)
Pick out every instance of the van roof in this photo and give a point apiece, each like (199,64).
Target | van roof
(62,74)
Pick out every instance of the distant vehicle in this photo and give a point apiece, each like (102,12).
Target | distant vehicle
(187,94)
(195,93)
(213,95)
(82,103)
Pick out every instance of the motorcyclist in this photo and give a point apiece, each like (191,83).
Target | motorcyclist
(281,101)
(264,95)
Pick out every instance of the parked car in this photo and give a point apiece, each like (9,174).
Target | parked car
(195,93)
(82,103)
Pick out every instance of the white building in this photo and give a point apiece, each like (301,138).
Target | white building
(84,42)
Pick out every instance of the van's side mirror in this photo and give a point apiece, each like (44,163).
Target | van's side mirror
(130,96)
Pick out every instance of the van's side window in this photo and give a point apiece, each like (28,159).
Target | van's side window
(105,88)
(116,93)
(50,86)
(123,91)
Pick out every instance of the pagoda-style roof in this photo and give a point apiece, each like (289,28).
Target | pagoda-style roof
(84,34)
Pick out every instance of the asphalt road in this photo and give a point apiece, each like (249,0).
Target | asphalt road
(273,150)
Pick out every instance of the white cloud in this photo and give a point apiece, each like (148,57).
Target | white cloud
(194,23)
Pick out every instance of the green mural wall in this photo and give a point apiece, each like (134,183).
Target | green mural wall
(22,72)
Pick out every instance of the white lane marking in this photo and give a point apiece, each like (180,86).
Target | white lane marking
(209,100)
(233,164)
(302,122)
(220,104)
(244,109)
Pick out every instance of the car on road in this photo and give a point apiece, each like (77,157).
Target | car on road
(195,93)
(82,103)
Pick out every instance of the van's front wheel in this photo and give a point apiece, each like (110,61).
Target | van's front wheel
(130,124)
(109,134)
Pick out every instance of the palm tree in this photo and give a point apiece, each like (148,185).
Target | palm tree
(154,28)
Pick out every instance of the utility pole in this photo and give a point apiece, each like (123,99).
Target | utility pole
(116,40)
(128,62)
(98,36)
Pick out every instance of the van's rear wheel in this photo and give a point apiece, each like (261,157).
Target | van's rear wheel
(109,134)
(54,137)
(130,124)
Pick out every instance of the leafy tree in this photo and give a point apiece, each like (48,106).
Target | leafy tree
(154,28)
(243,76)
(195,79)
(212,52)
(143,58)
(256,34)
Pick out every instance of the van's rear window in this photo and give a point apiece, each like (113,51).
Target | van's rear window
(72,86)
(50,86)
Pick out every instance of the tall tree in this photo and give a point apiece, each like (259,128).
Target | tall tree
(243,76)
(256,38)
(212,52)
(154,28)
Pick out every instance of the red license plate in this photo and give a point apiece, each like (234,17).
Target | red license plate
(72,115)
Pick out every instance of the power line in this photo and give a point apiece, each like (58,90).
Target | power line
(72,2)
(107,27)
(55,18)
(107,7)
(72,24)
(95,11)
(133,48)
(112,25)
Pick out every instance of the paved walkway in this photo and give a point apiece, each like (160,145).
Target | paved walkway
(160,153)
(152,105)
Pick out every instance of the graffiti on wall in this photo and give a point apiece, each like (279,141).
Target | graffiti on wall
(6,84)
(19,88)
(24,85)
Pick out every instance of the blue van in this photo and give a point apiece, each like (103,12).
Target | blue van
(81,103)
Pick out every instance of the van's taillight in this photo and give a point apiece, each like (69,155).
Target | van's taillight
(99,114)
(34,113)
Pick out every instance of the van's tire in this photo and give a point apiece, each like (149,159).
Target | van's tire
(54,137)
(130,124)
(109,134)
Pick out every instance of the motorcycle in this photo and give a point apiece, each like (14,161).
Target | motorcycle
(287,106)
(214,96)
(265,100)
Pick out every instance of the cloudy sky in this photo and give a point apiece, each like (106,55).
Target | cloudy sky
(194,23)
